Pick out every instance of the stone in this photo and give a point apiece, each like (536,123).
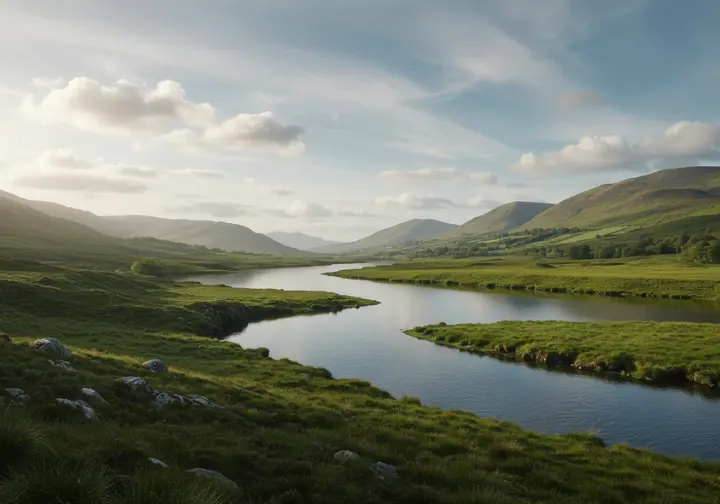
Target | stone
(5,340)
(51,345)
(17,394)
(93,394)
(385,472)
(219,477)
(62,364)
(86,409)
(134,383)
(163,399)
(345,455)
(156,366)
(197,400)
(158,463)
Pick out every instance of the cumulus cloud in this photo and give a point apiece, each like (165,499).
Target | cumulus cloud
(300,208)
(679,142)
(580,99)
(47,82)
(361,214)
(221,210)
(413,201)
(482,202)
(136,171)
(441,173)
(123,106)
(80,183)
(256,130)
(280,191)
(64,159)
(201,173)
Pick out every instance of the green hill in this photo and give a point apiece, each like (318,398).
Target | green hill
(649,200)
(415,229)
(500,219)
(222,235)
(300,241)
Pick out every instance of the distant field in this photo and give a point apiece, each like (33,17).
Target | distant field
(657,276)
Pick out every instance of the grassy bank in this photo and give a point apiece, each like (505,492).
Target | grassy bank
(280,423)
(661,276)
(665,352)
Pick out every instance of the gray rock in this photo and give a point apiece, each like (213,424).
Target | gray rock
(156,366)
(62,364)
(345,455)
(51,345)
(158,463)
(197,400)
(219,477)
(17,394)
(81,405)
(93,394)
(385,472)
(163,399)
(134,383)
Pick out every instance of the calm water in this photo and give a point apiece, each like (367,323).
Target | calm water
(369,344)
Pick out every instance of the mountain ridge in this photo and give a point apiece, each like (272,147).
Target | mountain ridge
(300,241)
(500,219)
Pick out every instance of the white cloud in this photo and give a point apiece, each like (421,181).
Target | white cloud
(124,106)
(47,82)
(441,173)
(300,208)
(136,171)
(361,214)
(413,201)
(64,159)
(256,130)
(579,99)
(201,173)
(280,191)
(221,210)
(80,183)
(482,202)
(679,142)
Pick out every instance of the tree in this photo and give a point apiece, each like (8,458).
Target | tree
(607,252)
(151,267)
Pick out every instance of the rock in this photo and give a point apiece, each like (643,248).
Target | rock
(345,455)
(93,394)
(158,463)
(163,399)
(62,364)
(385,472)
(135,387)
(197,400)
(5,340)
(219,477)
(156,366)
(51,345)
(17,394)
(81,405)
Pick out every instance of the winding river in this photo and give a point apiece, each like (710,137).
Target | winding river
(369,344)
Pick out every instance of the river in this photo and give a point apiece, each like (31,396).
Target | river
(368,343)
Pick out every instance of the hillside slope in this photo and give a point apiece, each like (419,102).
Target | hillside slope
(500,219)
(415,229)
(300,241)
(652,199)
(222,235)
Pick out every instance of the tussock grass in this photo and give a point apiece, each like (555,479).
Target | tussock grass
(20,440)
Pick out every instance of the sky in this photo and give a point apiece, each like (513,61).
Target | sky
(340,117)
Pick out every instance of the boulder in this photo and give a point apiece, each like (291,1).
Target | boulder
(17,394)
(158,463)
(219,477)
(163,399)
(51,345)
(197,400)
(92,394)
(345,455)
(134,386)
(156,366)
(62,364)
(385,472)
(86,409)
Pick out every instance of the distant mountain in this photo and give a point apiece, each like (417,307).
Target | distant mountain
(300,241)
(500,219)
(649,200)
(412,230)
(221,235)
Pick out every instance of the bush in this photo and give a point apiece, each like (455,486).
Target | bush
(150,267)
(19,442)
(56,482)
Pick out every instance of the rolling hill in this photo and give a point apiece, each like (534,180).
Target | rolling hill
(500,219)
(648,200)
(415,229)
(221,235)
(300,241)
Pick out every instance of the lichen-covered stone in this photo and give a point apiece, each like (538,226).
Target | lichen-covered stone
(219,477)
(86,409)
(156,366)
(51,345)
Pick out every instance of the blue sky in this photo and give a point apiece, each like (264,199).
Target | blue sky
(338,118)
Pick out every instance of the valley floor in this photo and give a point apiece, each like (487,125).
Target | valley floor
(278,425)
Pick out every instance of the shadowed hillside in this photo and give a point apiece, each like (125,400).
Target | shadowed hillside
(500,219)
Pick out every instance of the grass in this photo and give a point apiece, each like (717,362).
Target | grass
(658,276)
(281,421)
(660,352)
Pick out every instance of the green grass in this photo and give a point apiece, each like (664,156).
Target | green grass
(281,422)
(660,352)
(658,276)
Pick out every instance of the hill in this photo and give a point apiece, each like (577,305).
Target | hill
(221,235)
(500,219)
(415,229)
(300,241)
(648,200)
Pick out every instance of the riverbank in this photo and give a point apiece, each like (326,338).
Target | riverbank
(656,352)
(655,277)
(279,424)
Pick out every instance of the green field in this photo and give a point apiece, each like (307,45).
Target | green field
(657,276)
(666,352)
(280,424)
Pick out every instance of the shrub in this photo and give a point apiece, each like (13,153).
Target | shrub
(52,482)
(19,442)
